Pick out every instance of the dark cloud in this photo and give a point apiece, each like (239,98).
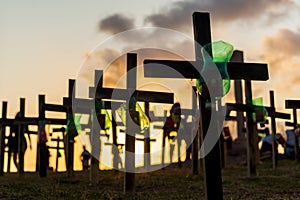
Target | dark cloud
(178,16)
(116,23)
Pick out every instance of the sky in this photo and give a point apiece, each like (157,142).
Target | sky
(44,43)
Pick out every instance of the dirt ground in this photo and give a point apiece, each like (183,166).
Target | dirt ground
(170,183)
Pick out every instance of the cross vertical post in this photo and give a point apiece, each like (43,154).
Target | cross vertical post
(57,147)
(129,185)
(9,156)
(127,95)
(147,141)
(197,139)
(2,138)
(212,165)
(42,148)
(70,138)
(273,126)
(57,153)
(296,142)
(115,149)
(20,139)
(294,104)
(95,152)
(251,150)
(238,56)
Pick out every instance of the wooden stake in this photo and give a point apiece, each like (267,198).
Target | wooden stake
(2,138)
(251,150)
(147,159)
(20,139)
(129,181)
(273,124)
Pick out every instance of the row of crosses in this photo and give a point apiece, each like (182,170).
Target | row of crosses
(238,71)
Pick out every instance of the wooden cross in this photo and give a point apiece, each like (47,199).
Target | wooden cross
(57,147)
(82,106)
(194,142)
(85,106)
(67,103)
(42,149)
(10,122)
(236,71)
(238,56)
(3,123)
(23,121)
(271,113)
(125,94)
(294,104)
(147,140)
(273,117)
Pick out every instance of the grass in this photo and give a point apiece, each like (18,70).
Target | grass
(171,183)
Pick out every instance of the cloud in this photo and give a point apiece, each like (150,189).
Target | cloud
(109,60)
(116,23)
(284,42)
(178,16)
(281,52)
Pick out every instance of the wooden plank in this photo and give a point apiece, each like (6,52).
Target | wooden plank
(211,163)
(42,116)
(291,124)
(34,121)
(43,158)
(180,69)
(2,138)
(20,138)
(56,121)
(296,142)
(54,108)
(292,104)
(144,96)
(62,129)
(70,138)
(7,122)
(237,106)
(154,97)
(248,71)
(95,152)
(80,103)
(244,108)
(84,106)
(273,127)
(55,147)
(251,150)
(238,56)
(129,177)
(196,142)
(279,115)
(147,140)
(186,69)
(57,139)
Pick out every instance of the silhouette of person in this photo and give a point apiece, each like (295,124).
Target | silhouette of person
(173,121)
(267,141)
(85,157)
(171,125)
(13,141)
(290,143)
